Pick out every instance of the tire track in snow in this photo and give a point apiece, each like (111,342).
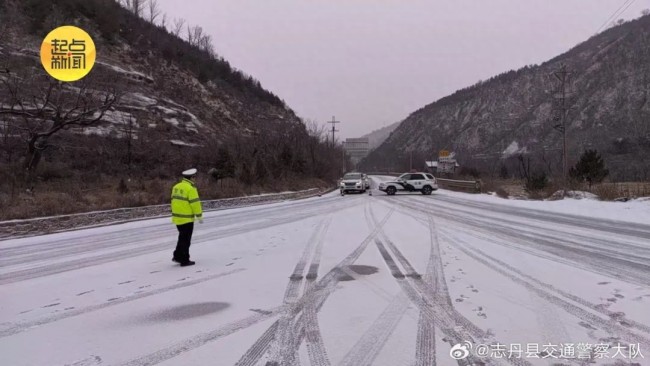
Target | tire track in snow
(477,225)
(315,262)
(454,325)
(321,291)
(625,250)
(425,347)
(314,241)
(201,339)
(21,327)
(90,361)
(313,336)
(428,309)
(498,266)
(576,255)
(259,348)
(227,218)
(281,348)
(327,284)
(604,225)
(434,277)
(582,314)
(367,348)
(48,249)
(410,271)
(425,343)
(75,244)
(623,321)
(133,250)
(394,270)
(433,313)
(425,350)
(376,289)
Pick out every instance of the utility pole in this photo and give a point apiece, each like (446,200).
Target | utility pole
(561,104)
(334,122)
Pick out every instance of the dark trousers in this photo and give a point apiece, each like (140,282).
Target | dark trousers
(182,252)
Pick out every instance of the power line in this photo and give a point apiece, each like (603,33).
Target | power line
(612,15)
(624,10)
(617,13)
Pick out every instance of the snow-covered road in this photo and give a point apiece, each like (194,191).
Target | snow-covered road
(354,280)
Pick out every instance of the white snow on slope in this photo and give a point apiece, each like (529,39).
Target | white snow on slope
(130,73)
(183,143)
(513,149)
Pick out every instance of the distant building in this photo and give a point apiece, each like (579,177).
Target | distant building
(357,148)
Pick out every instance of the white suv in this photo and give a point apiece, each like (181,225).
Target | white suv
(410,182)
(353,182)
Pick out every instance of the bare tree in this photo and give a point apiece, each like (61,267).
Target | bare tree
(128,133)
(315,129)
(154,11)
(645,12)
(163,21)
(134,6)
(205,43)
(138,7)
(179,23)
(40,109)
(4,25)
(194,35)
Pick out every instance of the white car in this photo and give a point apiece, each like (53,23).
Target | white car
(410,182)
(353,182)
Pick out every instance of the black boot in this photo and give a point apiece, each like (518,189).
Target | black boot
(188,263)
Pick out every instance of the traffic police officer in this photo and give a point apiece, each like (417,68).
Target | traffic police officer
(186,208)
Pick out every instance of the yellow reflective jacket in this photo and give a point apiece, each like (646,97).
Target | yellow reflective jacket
(186,205)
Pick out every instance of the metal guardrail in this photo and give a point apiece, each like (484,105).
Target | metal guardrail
(45,225)
(469,186)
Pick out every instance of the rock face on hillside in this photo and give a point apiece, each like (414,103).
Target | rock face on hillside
(166,84)
(513,113)
(168,100)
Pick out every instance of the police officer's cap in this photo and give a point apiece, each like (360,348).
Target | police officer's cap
(189,172)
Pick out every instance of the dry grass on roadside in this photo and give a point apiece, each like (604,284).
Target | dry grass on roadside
(67,196)
(494,185)
(612,191)
(506,188)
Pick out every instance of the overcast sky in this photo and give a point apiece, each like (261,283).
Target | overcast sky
(372,62)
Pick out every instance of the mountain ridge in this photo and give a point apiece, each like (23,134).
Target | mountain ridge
(516,106)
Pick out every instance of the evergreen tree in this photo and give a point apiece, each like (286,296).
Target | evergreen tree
(503,173)
(224,163)
(261,172)
(590,168)
(246,175)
